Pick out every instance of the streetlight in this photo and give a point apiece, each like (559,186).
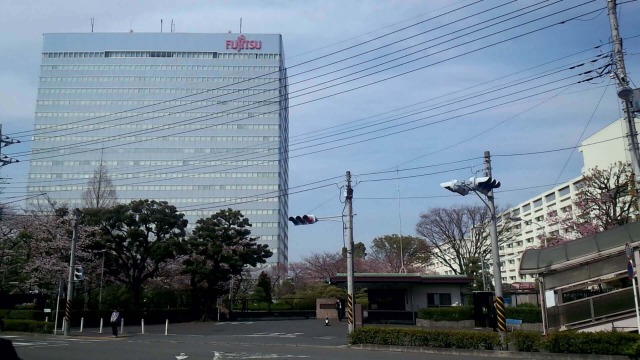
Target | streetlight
(485,185)
(527,222)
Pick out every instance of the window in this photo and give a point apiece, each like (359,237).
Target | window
(526,208)
(438,299)
(550,197)
(564,191)
(537,203)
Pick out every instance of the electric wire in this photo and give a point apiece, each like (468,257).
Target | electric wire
(404,73)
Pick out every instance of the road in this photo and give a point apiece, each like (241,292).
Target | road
(293,339)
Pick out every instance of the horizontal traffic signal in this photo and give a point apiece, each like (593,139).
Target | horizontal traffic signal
(457,186)
(484,184)
(303,220)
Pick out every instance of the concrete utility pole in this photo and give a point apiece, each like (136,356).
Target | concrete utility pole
(72,264)
(497,273)
(625,92)
(350,299)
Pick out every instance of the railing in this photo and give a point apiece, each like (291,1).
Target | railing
(591,310)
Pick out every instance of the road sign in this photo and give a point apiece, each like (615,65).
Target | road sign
(628,250)
(630,269)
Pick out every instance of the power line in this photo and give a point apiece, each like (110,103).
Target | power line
(374,82)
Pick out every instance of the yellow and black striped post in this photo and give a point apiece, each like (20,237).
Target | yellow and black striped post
(67,312)
(350,309)
(502,323)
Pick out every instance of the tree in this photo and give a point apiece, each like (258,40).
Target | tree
(607,198)
(387,250)
(460,234)
(219,248)
(138,238)
(359,251)
(100,191)
(263,289)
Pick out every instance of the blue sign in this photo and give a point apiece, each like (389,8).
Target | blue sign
(630,269)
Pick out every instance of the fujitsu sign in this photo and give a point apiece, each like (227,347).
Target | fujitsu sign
(241,43)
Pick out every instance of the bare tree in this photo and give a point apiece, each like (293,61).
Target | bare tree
(100,193)
(459,236)
(607,198)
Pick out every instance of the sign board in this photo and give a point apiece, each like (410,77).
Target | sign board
(550,298)
(47,310)
(630,269)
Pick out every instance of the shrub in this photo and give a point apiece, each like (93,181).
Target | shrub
(26,315)
(604,342)
(429,338)
(528,341)
(526,314)
(454,313)
(27,326)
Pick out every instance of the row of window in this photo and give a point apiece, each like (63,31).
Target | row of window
(157,176)
(161,67)
(156,187)
(549,198)
(190,114)
(148,126)
(154,91)
(165,138)
(167,150)
(157,54)
(220,79)
(153,102)
(154,162)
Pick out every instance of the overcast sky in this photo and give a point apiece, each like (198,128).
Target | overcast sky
(413,84)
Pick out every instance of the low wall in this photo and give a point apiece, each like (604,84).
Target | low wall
(470,324)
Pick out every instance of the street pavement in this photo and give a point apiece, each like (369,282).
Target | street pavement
(283,339)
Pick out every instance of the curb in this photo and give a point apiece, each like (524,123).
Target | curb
(489,353)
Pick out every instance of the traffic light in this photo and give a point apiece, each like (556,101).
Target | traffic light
(303,220)
(78,273)
(457,186)
(484,184)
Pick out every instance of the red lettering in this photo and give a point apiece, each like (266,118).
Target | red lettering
(241,43)
(229,43)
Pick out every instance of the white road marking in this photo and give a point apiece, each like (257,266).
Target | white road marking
(243,355)
(182,356)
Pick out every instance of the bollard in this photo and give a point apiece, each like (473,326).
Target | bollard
(100,332)
(81,324)
(166,327)
(46,319)
(142,321)
(121,326)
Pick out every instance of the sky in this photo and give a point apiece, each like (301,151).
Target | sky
(404,94)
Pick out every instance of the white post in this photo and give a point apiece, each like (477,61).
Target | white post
(142,323)
(100,332)
(81,324)
(166,327)
(121,326)
(63,324)
(636,257)
(46,319)
(55,323)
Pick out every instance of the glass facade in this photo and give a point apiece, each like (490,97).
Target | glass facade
(198,120)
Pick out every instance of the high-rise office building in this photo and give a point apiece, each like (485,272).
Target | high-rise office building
(197,120)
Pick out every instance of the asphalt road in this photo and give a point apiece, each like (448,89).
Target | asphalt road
(292,339)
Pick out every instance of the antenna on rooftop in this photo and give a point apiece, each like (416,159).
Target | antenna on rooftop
(173,26)
(161,26)
(131,26)
(92,24)
(240,25)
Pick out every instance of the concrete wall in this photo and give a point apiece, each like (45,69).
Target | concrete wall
(326,308)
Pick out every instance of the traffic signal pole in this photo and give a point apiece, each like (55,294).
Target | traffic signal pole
(497,273)
(72,264)
(350,299)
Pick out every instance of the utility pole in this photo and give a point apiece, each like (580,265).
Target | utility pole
(497,273)
(72,264)
(625,92)
(350,299)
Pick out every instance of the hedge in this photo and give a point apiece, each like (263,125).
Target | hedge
(526,314)
(528,341)
(27,326)
(431,338)
(600,343)
(454,313)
